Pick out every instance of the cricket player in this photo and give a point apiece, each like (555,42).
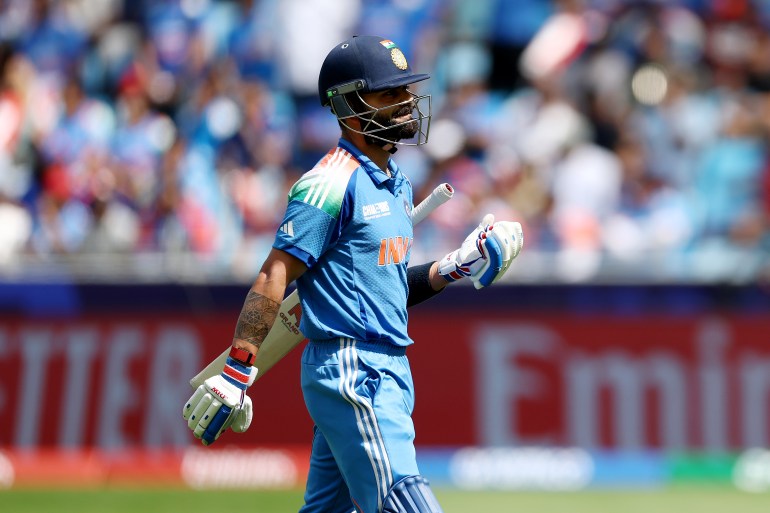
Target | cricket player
(345,239)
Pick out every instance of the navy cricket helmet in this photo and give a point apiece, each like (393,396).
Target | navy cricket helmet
(364,64)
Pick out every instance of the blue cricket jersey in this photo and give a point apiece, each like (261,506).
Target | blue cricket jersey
(352,226)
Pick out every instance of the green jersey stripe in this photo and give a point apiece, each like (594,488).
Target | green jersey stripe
(324,186)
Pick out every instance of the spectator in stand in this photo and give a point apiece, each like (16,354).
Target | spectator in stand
(151,126)
(15,167)
(51,39)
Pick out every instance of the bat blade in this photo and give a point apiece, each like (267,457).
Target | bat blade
(282,338)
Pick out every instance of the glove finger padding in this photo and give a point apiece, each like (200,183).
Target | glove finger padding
(199,412)
(238,419)
(195,407)
(208,418)
(503,242)
(221,419)
(192,402)
(212,408)
(512,236)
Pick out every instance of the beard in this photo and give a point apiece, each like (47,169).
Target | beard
(396,131)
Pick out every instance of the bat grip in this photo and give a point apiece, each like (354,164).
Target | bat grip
(438,197)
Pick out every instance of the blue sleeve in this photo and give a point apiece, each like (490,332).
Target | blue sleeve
(307,231)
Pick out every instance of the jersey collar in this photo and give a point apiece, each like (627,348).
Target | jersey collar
(375,173)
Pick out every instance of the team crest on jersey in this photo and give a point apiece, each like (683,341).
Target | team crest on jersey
(407,207)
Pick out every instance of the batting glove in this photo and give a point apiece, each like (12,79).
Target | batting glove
(507,239)
(469,258)
(221,403)
(486,254)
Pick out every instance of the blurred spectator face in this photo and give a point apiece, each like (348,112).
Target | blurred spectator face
(72,96)
(132,93)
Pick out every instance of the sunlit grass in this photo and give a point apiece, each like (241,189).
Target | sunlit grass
(680,499)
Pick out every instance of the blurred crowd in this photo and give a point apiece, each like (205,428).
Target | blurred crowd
(620,133)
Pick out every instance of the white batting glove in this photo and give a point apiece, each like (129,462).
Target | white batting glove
(469,258)
(221,402)
(486,254)
(503,242)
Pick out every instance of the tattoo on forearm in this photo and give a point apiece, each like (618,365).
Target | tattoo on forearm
(256,318)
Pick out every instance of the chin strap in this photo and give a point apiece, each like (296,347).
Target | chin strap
(387,146)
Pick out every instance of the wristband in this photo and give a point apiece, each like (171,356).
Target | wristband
(242,356)
(418,280)
(239,374)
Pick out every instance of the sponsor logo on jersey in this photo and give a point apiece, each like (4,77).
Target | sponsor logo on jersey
(393,250)
(375,210)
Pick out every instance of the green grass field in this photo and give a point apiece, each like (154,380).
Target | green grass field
(142,500)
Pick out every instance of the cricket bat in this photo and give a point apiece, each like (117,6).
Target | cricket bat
(285,335)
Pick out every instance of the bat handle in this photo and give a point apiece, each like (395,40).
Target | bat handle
(438,197)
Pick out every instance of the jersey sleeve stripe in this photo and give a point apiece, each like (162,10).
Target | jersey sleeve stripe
(324,186)
(331,175)
(320,177)
(337,176)
(326,173)
(312,181)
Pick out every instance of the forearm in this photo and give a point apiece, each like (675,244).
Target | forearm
(257,315)
(264,300)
